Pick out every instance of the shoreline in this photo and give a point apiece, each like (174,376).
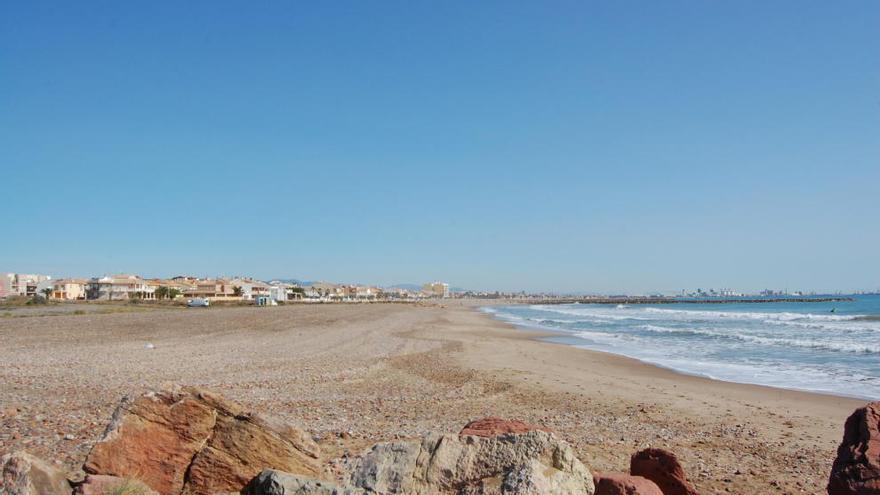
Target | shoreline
(544,335)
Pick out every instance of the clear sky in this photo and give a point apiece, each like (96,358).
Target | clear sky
(572,146)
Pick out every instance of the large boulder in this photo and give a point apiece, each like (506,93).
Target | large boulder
(856,470)
(531,463)
(624,484)
(24,474)
(272,482)
(99,484)
(663,468)
(195,441)
(492,426)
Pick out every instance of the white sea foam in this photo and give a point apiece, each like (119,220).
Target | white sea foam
(835,353)
(751,316)
(803,320)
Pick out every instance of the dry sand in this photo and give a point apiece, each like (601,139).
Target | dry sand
(356,374)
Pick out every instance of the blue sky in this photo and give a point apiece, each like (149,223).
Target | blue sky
(571,146)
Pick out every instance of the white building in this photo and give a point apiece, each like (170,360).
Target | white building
(24,284)
(250,289)
(436,289)
(278,292)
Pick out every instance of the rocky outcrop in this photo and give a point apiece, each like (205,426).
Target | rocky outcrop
(531,463)
(856,470)
(493,426)
(624,484)
(535,462)
(195,441)
(663,468)
(24,474)
(97,484)
(272,482)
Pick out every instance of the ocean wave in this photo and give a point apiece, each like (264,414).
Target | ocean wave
(828,345)
(609,314)
(842,327)
(836,353)
(849,347)
(867,317)
(784,316)
(654,314)
(591,321)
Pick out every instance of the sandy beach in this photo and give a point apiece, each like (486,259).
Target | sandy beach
(356,374)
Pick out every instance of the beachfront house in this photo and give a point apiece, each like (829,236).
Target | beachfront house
(120,288)
(70,289)
(251,289)
(220,289)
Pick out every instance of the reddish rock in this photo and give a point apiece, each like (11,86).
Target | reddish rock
(96,484)
(195,441)
(663,468)
(856,470)
(624,484)
(24,474)
(492,427)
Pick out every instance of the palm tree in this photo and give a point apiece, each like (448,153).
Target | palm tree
(161,292)
(47,292)
(236,291)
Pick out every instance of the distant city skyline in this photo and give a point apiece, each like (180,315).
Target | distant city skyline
(547,147)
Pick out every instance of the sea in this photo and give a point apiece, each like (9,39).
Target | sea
(828,347)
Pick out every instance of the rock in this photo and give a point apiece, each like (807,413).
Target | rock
(531,463)
(624,484)
(272,482)
(195,441)
(97,484)
(492,426)
(663,468)
(856,470)
(24,474)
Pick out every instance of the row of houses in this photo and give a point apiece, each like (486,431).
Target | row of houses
(126,287)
